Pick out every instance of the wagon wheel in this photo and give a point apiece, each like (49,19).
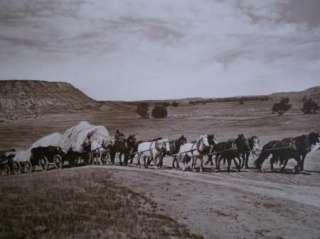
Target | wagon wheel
(27,167)
(5,170)
(107,158)
(16,168)
(57,159)
(44,163)
(103,158)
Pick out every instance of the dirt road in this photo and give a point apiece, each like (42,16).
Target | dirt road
(232,205)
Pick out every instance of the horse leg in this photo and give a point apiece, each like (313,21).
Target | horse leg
(229,164)
(120,158)
(160,162)
(247,160)
(138,159)
(112,157)
(273,160)
(150,159)
(178,166)
(201,163)
(100,159)
(242,160)
(284,165)
(302,162)
(238,166)
(93,159)
(224,161)
(194,162)
(271,164)
(125,159)
(174,161)
(184,163)
(145,163)
(209,160)
(217,162)
(299,166)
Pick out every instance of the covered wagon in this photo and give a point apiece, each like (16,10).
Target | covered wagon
(44,152)
(80,141)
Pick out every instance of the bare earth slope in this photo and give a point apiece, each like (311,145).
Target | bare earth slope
(23,97)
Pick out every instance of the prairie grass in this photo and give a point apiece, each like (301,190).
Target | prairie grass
(80,203)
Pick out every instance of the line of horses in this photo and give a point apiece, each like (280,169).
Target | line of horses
(186,155)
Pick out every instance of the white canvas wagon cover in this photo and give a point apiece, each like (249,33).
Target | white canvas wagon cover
(75,137)
(54,139)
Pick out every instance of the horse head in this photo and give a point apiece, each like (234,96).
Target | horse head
(204,140)
(314,138)
(212,139)
(254,142)
(131,140)
(314,141)
(292,144)
(182,140)
(107,144)
(163,145)
(203,143)
(242,143)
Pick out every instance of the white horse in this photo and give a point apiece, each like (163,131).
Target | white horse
(191,152)
(152,151)
(100,152)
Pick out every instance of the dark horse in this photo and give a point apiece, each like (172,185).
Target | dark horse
(43,156)
(289,148)
(212,142)
(228,152)
(280,150)
(75,158)
(239,148)
(304,145)
(126,147)
(174,146)
(246,146)
(131,148)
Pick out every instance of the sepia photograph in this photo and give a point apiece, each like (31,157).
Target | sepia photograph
(159,119)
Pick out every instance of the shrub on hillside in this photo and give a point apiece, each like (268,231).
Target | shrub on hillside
(281,107)
(166,104)
(309,106)
(143,110)
(175,104)
(159,112)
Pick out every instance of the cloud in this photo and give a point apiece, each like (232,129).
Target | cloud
(162,49)
(302,12)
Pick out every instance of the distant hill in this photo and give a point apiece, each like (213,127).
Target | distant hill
(28,97)
(313,92)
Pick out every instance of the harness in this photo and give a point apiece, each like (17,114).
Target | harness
(197,144)
(150,148)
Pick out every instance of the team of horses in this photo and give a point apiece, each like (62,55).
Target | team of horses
(186,155)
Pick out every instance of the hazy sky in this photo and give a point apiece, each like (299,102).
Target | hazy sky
(143,49)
